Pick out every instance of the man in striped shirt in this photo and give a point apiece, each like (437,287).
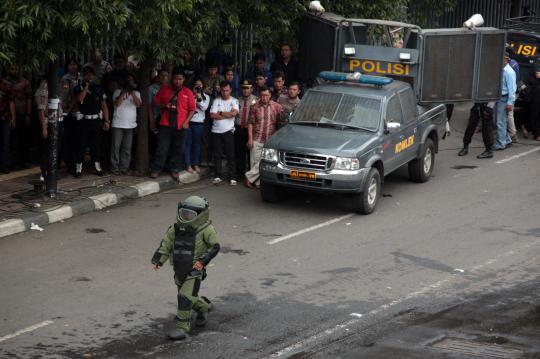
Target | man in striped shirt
(264,117)
(241,129)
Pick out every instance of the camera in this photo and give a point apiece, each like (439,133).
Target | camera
(130,87)
(198,89)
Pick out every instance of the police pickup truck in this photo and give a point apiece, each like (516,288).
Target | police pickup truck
(347,134)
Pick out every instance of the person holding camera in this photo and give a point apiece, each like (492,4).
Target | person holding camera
(126,100)
(94,116)
(177,105)
(194,135)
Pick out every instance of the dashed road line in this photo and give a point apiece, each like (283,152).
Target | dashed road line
(26,330)
(310,229)
(359,317)
(508,159)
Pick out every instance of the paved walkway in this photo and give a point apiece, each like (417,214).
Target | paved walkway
(23,208)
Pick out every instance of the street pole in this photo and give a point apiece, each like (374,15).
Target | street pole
(53,124)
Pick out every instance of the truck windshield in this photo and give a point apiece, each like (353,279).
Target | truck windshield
(339,109)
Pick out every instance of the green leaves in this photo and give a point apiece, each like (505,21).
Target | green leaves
(40,31)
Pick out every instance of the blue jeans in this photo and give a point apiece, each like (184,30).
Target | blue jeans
(192,152)
(503,138)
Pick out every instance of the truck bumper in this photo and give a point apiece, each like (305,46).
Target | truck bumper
(335,181)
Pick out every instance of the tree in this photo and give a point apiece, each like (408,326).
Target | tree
(37,33)
(34,33)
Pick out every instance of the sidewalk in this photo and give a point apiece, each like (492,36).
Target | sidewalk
(22,207)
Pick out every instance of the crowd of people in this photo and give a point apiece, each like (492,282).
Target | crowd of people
(199,112)
(499,115)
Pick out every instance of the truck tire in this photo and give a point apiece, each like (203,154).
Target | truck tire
(271,193)
(366,201)
(420,169)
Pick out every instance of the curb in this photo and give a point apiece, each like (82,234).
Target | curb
(97,202)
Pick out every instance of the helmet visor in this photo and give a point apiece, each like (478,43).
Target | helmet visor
(187,215)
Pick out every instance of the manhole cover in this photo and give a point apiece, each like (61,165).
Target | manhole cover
(482,350)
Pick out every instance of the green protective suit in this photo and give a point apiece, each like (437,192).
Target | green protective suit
(179,247)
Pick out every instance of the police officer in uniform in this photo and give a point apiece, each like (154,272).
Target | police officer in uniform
(93,117)
(190,244)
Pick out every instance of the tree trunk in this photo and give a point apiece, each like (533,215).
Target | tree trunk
(142,162)
(515,8)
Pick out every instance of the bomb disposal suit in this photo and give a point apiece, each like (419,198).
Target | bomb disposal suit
(189,244)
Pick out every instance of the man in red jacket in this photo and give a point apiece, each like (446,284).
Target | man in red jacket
(177,105)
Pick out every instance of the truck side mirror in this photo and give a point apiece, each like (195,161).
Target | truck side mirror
(391,127)
(287,117)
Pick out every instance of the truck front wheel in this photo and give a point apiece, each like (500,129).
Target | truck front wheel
(420,169)
(366,201)
(271,193)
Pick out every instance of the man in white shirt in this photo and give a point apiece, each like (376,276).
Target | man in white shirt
(126,101)
(223,111)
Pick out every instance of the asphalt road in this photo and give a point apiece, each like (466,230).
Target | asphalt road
(294,277)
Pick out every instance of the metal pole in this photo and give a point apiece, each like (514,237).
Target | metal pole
(53,130)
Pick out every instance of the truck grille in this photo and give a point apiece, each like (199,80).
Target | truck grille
(306,161)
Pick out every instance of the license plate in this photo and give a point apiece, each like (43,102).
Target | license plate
(310,176)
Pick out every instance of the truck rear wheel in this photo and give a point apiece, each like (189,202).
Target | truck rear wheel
(271,193)
(366,201)
(420,169)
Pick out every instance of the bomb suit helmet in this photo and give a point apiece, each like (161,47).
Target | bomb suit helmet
(192,208)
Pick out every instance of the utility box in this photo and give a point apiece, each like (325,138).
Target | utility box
(442,65)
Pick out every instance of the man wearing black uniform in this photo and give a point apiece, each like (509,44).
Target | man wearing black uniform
(94,117)
(480,112)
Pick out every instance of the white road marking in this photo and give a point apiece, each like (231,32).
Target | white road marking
(422,291)
(518,155)
(356,315)
(309,229)
(26,330)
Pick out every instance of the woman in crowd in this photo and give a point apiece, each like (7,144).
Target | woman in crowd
(192,151)
(230,75)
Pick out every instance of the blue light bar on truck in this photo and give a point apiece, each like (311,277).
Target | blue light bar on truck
(355,77)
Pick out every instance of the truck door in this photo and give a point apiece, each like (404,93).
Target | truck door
(410,144)
(394,137)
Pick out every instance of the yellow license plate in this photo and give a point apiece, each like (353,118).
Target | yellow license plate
(310,176)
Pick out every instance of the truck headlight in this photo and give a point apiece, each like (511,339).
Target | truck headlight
(270,155)
(348,164)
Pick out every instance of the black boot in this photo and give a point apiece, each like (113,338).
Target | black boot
(485,154)
(202,317)
(464,151)
(78,170)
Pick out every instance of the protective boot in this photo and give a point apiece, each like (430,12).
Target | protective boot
(177,334)
(202,317)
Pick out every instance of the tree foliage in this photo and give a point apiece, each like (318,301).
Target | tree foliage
(36,32)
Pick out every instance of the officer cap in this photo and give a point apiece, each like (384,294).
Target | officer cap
(246,84)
